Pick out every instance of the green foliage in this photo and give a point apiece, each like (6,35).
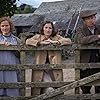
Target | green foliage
(7,7)
(24,8)
(28,9)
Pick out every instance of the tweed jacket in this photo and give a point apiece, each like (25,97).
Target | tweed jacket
(85,37)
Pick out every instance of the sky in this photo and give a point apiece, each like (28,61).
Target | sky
(34,3)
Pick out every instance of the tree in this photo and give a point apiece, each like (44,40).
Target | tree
(28,9)
(7,7)
(24,8)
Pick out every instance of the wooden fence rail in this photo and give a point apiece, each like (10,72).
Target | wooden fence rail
(64,86)
(68,87)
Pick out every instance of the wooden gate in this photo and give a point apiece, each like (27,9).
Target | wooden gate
(61,86)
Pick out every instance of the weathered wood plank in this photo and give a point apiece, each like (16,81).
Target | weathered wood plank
(33,84)
(77,71)
(49,47)
(15,98)
(42,84)
(68,87)
(92,46)
(22,72)
(61,97)
(82,66)
(75,97)
(32,48)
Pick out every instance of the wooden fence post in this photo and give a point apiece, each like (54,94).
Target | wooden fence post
(77,71)
(22,60)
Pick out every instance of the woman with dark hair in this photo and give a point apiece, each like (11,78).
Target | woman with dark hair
(47,36)
(8,57)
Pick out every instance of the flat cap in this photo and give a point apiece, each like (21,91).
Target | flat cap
(87,13)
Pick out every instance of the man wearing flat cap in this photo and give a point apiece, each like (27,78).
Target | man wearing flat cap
(88,33)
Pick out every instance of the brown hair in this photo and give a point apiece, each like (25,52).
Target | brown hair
(10,23)
(53,29)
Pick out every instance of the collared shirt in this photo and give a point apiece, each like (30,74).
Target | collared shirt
(92,29)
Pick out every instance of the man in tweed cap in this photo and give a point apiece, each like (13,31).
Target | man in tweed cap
(87,13)
(88,33)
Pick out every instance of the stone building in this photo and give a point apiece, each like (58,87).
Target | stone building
(60,12)
(23,22)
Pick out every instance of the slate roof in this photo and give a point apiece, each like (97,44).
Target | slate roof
(35,28)
(60,20)
(26,19)
(48,7)
(52,7)
(58,16)
(87,4)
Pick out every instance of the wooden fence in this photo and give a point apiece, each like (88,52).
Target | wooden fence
(61,86)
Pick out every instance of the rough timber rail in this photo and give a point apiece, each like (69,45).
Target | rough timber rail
(64,86)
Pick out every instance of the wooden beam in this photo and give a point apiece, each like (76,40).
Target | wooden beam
(68,87)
